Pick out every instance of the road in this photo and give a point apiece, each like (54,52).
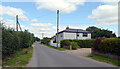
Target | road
(47,57)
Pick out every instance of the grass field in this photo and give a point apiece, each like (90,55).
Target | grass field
(19,59)
(105,59)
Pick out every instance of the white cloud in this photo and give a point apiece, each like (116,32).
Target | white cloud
(12,12)
(66,6)
(41,24)
(48,29)
(110,2)
(34,20)
(105,15)
(9,23)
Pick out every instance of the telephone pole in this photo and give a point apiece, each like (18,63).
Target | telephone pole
(42,35)
(57,27)
(17,23)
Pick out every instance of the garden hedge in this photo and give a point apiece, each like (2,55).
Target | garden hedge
(110,45)
(88,43)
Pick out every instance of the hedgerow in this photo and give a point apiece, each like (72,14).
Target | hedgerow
(13,41)
(88,43)
(109,45)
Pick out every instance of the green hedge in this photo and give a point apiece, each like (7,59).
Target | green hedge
(13,41)
(74,45)
(88,43)
(110,45)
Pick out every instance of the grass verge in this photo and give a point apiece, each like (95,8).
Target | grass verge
(19,59)
(105,59)
(61,49)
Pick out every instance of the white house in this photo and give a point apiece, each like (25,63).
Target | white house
(70,33)
(53,43)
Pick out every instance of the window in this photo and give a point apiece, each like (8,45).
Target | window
(77,35)
(85,34)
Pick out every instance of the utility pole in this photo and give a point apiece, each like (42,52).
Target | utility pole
(16,22)
(42,35)
(57,27)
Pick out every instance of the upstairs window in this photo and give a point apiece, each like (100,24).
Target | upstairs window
(85,34)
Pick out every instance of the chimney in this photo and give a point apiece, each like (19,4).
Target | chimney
(67,27)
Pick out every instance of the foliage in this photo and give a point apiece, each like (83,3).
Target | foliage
(88,43)
(111,45)
(97,42)
(45,40)
(65,42)
(97,32)
(15,40)
(74,45)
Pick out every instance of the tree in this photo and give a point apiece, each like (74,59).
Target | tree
(45,40)
(97,32)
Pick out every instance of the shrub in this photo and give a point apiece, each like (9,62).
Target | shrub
(97,42)
(88,43)
(13,41)
(74,45)
(110,45)
(65,42)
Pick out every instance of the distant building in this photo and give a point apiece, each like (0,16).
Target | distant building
(70,33)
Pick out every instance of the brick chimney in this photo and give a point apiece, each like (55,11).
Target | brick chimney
(67,27)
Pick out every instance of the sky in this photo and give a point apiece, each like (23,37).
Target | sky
(39,16)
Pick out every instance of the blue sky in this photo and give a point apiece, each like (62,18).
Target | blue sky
(80,17)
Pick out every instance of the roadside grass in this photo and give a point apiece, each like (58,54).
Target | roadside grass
(105,59)
(61,49)
(19,59)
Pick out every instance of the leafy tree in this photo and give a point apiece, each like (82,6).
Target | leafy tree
(97,32)
(15,40)
(45,40)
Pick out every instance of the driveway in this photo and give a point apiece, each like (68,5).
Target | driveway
(80,52)
(47,57)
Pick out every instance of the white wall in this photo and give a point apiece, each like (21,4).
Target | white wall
(60,37)
(53,44)
(67,35)
(81,36)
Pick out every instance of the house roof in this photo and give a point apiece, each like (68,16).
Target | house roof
(74,31)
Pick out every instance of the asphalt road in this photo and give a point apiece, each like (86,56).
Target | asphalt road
(47,57)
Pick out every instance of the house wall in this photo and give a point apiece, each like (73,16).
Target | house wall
(67,35)
(81,36)
(60,37)
(53,44)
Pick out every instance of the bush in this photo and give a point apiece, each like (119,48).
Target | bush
(74,45)
(88,43)
(13,41)
(110,45)
(65,42)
